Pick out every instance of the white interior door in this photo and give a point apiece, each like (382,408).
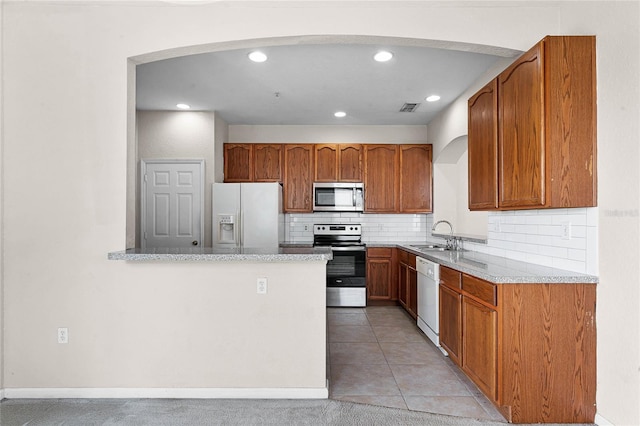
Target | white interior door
(172,203)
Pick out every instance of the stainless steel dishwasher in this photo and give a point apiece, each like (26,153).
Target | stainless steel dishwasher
(428,300)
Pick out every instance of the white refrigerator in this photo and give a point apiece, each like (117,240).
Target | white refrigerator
(247,215)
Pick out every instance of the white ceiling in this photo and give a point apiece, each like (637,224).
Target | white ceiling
(305,84)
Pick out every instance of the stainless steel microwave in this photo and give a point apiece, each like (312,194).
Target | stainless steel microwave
(338,197)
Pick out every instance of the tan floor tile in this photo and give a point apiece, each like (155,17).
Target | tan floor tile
(356,353)
(378,356)
(411,353)
(390,320)
(428,381)
(347,319)
(491,409)
(398,334)
(339,311)
(382,401)
(464,406)
(351,333)
(362,379)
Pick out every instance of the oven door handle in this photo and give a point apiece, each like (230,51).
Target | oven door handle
(353,248)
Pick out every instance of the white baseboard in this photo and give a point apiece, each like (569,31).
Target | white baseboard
(1,394)
(601,421)
(177,393)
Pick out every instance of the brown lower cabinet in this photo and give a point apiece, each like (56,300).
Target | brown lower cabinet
(381,282)
(530,348)
(408,282)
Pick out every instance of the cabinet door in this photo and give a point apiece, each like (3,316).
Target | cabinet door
(415,178)
(451,323)
(480,345)
(483,148)
(238,162)
(380,178)
(350,163)
(267,163)
(379,279)
(326,163)
(298,174)
(521,139)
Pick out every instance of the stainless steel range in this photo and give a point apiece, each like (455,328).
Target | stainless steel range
(346,276)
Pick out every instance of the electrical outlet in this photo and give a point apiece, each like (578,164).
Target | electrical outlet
(306,228)
(566,230)
(262,285)
(63,335)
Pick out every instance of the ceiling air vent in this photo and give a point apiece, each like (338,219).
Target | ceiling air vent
(409,107)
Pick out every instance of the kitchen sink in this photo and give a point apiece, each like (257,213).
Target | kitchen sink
(432,247)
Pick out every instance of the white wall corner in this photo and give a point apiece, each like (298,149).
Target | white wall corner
(601,421)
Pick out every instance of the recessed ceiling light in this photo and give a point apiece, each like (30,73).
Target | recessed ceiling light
(183,106)
(383,56)
(340,114)
(257,56)
(432,98)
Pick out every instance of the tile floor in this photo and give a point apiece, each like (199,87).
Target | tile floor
(377,355)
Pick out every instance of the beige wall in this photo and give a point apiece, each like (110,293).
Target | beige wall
(176,325)
(1,227)
(65,103)
(327,134)
(179,135)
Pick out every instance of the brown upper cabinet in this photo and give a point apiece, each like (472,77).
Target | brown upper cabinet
(326,164)
(537,122)
(415,178)
(381,178)
(238,162)
(338,163)
(397,178)
(249,162)
(350,165)
(483,148)
(267,163)
(298,178)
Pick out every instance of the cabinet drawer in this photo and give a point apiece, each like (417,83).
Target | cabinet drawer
(407,258)
(379,251)
(483,290)
(450,278)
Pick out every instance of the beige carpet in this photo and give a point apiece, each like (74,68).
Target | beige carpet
(214,412)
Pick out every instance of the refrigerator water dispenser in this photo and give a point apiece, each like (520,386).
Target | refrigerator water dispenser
(226,230)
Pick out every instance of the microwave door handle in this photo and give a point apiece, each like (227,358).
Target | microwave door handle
(354,197)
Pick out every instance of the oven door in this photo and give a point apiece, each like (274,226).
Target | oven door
(347,268)
(346,281)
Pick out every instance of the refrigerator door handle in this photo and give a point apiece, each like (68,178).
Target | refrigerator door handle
(240,229)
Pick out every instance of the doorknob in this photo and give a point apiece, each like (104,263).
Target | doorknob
(194,242)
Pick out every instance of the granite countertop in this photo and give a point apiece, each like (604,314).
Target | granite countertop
(499,270)
(247,254)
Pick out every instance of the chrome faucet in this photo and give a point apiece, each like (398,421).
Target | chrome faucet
(451,242)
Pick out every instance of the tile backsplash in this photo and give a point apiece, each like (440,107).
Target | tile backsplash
(559,238)
(410,228)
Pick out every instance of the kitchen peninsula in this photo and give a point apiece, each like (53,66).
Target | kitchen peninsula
(525,334)
(213,331)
